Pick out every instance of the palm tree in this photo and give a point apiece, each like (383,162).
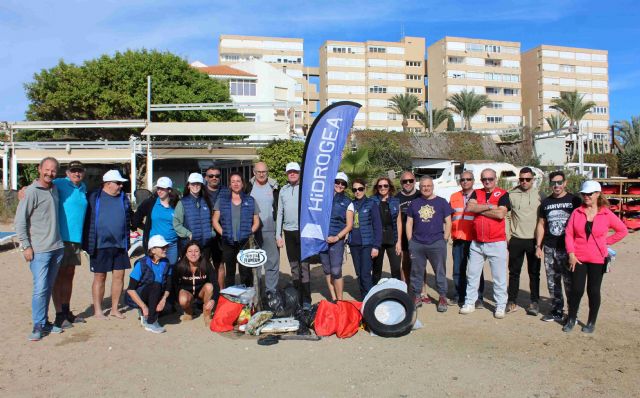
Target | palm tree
(556,122)
(356,164)
(570,104)
(467,104)
(406,105)
(439,116)
(629,132)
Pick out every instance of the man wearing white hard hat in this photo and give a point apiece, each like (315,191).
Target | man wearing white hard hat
(106,239)
(192,215)
(155,217)
(287,222)
(340,225)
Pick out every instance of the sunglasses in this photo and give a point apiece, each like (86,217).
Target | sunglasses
(557,183)
(466,179)
(487,179)
(360,189)
(341,183)
(380,186)
(525,179)
(213,175)
(76,170)
(409,181)
(588,195)
(116,182)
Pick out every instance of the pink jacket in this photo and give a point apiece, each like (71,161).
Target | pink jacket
(594,249)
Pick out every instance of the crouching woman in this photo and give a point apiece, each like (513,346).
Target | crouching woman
(150,284)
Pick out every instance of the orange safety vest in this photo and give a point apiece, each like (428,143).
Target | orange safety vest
(461,221)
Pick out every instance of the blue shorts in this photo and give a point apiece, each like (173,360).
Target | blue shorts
(109,259)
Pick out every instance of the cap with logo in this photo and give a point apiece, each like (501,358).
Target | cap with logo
(590,187)
(164,182)
(342,176)
(292,166)
(195,178)
(113,175)
(157,241)
(75,164)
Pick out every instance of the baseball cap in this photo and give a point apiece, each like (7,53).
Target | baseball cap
(590,187)
(164,182)
(292,166)
(195,178)
(75,164)
(113,175)
(342,176)
(157,241)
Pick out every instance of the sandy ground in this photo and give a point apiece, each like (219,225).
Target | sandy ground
(453,355)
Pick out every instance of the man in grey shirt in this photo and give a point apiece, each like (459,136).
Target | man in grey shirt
(265,192)
(287,221)
(36,225)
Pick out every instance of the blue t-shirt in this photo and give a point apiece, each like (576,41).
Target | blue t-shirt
(72,207)
(428,219)
(158,270)
(110,227)
(162,222)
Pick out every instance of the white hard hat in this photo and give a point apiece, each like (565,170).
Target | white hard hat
(342,176)
(292,166)
(157,241)
(195,178)
(164,182)
(590,187)
(113,175)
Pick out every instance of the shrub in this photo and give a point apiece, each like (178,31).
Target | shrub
(277,154)
(630,161)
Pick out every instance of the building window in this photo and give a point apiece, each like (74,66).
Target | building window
(599,110)
(377,50)
(414,90)
(339,50)
(414,77)
(494,119)
(511,91)
(491,48)
(456,60)
(392,116)
(495,105)
(568,68)
(493,90)
(377,90)
(415,129)
(492,62)
(414,63)
(250,117)
(242,87)
(474,47)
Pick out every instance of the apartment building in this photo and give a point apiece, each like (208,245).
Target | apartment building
(488,67)
(550,70)
(370,73)
(286,54)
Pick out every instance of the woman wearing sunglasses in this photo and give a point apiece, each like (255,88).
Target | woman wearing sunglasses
(366,236)
(340,224)
(389,205)
(587,239)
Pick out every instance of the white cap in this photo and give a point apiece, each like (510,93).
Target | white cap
(113,175)
(157,241)
(164,182)
(342,176)
(590,187)
(195,178)
(292,166)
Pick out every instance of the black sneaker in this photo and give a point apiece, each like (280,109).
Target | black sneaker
(442,304)
(568,326)
(533,309)
(553,316)
(589,328)
(74,318)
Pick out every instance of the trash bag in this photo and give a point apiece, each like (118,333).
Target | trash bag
(274,302)
(291,302)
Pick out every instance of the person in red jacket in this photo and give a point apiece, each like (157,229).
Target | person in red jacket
(587,239)
(490,204)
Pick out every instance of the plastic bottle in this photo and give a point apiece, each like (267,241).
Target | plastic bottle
(612,254)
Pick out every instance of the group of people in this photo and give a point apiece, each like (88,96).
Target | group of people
(191,241)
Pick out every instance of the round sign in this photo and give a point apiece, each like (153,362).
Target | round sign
(252,258)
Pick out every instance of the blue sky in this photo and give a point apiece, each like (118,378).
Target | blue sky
(36,34)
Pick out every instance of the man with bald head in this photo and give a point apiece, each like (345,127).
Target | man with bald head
(490,204)
(265,192)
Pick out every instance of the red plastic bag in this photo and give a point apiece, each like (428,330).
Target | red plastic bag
(225,315)
(349,318)
(326,320)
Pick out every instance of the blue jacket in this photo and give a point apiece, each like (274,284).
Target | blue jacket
(90,236)
(197,218)
(394,208)
(247,210)
(147,276)
(369,224)
(338,214)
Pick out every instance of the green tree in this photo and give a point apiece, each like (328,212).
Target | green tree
(439,116)
(115,87)
(556,122)
(630,161)
(571,105)
(277,154)
(356,164)
(385,153)
(405,105)
(467,104)
(629,131)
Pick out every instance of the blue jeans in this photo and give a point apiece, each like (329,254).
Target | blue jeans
(436,254)
(44,268)
(172,253)
(363,263)
(460,253)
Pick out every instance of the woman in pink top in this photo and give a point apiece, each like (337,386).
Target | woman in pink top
(587,239)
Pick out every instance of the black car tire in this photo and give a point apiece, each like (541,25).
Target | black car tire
(399,329)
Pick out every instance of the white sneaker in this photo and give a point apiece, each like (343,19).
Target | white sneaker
(499,314)
(467,309)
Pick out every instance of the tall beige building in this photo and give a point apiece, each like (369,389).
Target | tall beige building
(284,53)
(488,67)
(550,70)
(370,73)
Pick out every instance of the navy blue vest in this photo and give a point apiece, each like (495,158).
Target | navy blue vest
(246,217)
(338,214)
(394,208)
(365,220)
(148,277)
(197,218)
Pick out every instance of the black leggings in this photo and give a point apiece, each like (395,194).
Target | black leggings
(229,254)
(591,275)
(394,263)
(151,295)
